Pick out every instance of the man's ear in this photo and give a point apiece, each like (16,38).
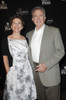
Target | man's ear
(32,19)
(45,18)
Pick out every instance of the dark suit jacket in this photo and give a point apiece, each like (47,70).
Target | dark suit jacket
(5,50)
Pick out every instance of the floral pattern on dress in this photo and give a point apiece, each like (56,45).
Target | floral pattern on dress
(20,83)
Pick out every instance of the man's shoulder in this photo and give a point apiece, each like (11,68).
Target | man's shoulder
(51,27)
(52,30)
(29,33)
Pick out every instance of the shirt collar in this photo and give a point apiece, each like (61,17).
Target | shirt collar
(42,28)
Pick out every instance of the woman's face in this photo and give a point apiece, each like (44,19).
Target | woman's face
(16,25)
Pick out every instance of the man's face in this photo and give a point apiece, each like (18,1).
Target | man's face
(38,18)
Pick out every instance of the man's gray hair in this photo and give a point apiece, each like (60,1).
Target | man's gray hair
(38,8)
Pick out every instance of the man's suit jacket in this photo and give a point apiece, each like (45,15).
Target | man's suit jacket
(52,51)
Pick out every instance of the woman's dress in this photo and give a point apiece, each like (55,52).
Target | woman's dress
(19,83)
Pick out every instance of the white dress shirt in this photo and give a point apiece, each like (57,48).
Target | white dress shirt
(36,43)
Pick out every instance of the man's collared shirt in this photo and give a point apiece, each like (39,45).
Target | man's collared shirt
(36,43)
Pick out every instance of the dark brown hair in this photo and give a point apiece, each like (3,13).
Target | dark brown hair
(16,16)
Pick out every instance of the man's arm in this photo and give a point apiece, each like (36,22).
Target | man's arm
(59,51)
(56,57)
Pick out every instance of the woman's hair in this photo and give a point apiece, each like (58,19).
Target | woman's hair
(16,16)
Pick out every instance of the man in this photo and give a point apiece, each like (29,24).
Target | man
(46,48)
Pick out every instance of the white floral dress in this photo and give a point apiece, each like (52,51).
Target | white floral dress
(19,84)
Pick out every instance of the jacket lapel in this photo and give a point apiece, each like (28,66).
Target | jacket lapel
(30,38)
(43,41)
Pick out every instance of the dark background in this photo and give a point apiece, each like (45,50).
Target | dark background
(55,13)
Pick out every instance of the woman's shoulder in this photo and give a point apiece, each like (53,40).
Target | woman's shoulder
(9,36)
(22,38)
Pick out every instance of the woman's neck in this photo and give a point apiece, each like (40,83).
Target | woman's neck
(16,35)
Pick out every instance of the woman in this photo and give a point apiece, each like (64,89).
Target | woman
(19,79)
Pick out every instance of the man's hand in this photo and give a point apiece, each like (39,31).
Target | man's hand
(41,68)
